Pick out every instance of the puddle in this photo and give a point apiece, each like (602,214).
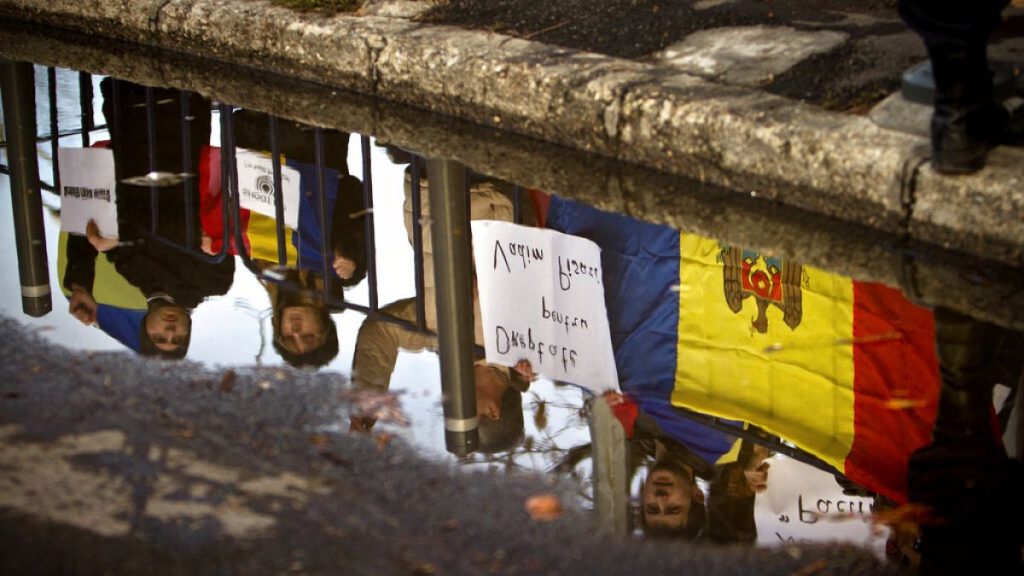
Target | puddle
(834,364)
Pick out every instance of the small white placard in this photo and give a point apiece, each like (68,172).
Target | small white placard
(256,186)
(542,299)
(87,190)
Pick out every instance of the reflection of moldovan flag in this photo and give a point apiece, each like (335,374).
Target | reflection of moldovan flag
(845,370)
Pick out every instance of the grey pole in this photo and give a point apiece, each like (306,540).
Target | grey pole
(454,295)
(610,469)
(18,87)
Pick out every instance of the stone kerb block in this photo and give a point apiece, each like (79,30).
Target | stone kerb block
(313,47)
(507,83)
(982,213)
(122,19)
(767,145)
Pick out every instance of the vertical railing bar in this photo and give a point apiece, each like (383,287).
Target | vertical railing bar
(275,162)
(115,121)
(154,194)
(186,167)
(51,88)
(467,187)
(326,254)
(417,243)
(228,176)
(85,104)
(517,206)
(371,247)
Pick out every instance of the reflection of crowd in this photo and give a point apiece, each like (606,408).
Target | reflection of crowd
(303,332)
(147,253)
(498,389)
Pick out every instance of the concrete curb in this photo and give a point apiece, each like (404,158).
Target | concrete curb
(835,164)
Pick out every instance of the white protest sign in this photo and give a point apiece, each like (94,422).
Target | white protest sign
(804,504)
(542,299)
(87,190)
(256,186)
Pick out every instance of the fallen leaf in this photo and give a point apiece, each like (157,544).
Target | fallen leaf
(335,459)
(543,507)
(383,439)
(812,568)
(319,440)
(540,415)
(425,568)
(227,382)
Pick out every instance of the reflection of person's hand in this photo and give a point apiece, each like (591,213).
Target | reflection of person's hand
(613,399)
(101,244)
(206,244)
(343,267)
(82,306)
(524,369)
(361,424)
(757,477)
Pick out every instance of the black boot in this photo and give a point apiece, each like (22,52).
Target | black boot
(966,122)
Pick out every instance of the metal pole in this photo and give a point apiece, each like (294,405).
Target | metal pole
(611,469)
(85,104)
(51,89)
(326,252)
(417,244)
(453,279)
(275,162)
(190,186)
(371,255)
(154,193)
(18,86)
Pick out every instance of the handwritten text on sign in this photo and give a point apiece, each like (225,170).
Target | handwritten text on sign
(256,186)
(542,300)
(87,190)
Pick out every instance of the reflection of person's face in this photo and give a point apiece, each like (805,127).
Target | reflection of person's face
(490,387)
(666,496)
(301,331)
(168,327)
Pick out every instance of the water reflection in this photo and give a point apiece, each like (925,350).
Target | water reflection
(329,228)
(734,364)
(150,250)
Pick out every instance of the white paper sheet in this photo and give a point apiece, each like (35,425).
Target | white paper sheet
(542,299)
(87,190)
(256,186)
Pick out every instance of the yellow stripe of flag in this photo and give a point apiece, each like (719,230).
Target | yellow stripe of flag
(751,365)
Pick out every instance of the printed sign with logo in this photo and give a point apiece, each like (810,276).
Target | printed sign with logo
(87,190)
(256,190)
(542,300)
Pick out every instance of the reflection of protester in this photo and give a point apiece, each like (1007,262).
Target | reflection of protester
(303,332)
(172,281)
(966,121)
(672,504)
(499,401)
(972,490)
(732,493)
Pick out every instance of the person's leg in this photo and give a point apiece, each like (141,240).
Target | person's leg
(964,477)
(966,120)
